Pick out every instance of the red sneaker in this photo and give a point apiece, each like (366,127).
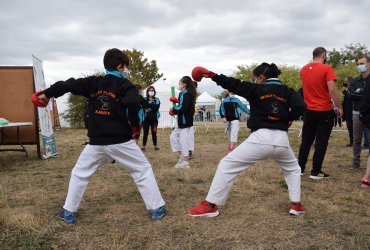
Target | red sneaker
(296,208)
(365,183)
(203,210)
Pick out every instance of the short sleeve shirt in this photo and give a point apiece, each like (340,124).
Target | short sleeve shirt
(315,89)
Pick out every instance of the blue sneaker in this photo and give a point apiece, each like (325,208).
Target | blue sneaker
(159,213)
(67,216)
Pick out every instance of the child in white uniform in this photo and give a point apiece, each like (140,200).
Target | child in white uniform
(113,121)
(273,107)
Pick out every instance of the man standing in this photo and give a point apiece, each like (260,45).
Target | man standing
(318,82)
(356,90)
(347,109)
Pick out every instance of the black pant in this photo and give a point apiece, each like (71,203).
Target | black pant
(153,125)
(317,126)
(350,130)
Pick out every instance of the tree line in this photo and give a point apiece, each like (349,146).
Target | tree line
(145,72)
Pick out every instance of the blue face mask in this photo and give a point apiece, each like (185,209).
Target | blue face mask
(362,68)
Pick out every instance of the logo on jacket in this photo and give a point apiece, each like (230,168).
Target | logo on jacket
(275,108)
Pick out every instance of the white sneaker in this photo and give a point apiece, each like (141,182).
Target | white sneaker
(182,164)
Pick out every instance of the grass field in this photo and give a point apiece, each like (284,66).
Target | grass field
(113,216)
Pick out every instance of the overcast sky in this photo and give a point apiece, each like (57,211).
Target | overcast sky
(71,36)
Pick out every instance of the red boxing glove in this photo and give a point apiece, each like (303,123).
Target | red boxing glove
(174,99)
(198,73)
(36,101)
(171,112)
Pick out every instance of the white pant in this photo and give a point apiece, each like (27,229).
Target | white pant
(179,140)
(127,155)
(191,138)
(244,156)
(233,130)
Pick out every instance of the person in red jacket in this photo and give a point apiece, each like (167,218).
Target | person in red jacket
(273,107)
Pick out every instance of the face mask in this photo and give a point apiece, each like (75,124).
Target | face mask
(151,93)
(125,72)
(362,68)
(232,96)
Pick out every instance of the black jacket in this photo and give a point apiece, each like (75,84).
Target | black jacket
(152,109)
(273,105)
(185,110)
(356,90)
(113,106)
(347,106)
(365,104)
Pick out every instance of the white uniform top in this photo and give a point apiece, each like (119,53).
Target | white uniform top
(267,136)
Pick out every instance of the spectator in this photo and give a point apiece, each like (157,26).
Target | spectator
(318,82)
(347,109)
(356,90)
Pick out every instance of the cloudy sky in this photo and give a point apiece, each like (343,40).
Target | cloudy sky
(71,36)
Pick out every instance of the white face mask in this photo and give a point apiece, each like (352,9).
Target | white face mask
(231,95)
(151,93)
(362,68)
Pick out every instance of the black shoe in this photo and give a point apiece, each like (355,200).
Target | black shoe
(85,143)
(319,176)
(143,149)
(112,162)
(349,145)
(191,155)
(364,148)
(156,148)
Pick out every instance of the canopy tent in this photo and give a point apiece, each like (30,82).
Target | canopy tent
(163,93)
(206,99)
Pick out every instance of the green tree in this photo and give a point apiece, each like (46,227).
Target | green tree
(142,71)
(349,54)
(75,110)
(289,74)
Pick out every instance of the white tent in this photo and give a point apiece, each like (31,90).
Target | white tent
(163,93)
(206,99)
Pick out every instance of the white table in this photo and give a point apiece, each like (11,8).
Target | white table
(14,125)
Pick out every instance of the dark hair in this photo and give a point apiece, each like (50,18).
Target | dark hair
(113,58)
(318,52)
(139,87)
(190,86)
(267,70)
(147,91)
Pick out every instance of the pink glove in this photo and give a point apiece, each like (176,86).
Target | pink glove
(36,101)
(174,99)
(199,72)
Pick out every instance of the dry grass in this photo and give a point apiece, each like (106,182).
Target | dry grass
(113,216)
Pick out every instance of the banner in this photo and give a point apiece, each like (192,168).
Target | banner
(47,133)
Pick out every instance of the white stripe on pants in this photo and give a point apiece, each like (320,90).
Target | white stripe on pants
(233,131)
(128,155)
(179,140)
(245,156)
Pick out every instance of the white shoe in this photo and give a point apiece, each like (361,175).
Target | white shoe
(182,164)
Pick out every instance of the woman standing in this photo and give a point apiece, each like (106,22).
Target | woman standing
(151,116)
